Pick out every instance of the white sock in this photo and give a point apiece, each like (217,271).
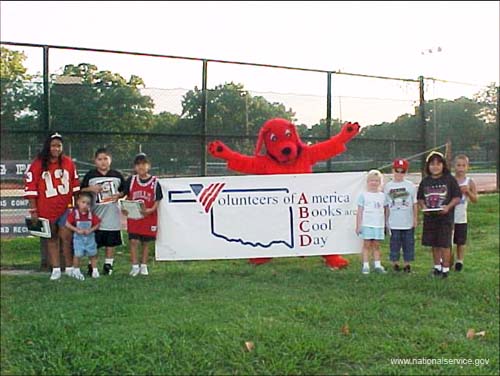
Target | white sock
(135,266)
(438,267)
(460,261)
(144,265)
(69,269)
(56,270)
(94,269)
(366,265)
(445,269)
(108,261)
(376,264)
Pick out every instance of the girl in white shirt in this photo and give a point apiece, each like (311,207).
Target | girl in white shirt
(370,221)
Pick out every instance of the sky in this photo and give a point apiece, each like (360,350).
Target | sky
(372,38)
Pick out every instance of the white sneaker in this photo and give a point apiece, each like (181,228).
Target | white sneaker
(365,270)
(78,275)
(69,271)
(380,269)
(135,271)
(144,270)
(95,273)
(56,274)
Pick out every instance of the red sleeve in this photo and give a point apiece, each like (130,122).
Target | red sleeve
(71,218)
(95,220)
(75,182)
(31,179)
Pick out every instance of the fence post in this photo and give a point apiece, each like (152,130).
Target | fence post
(423,122)
(204,118)
(329,114)
(496,138)
(45,123)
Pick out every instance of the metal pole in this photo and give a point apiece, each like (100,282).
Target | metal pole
(329,114)
(496,138)
(204,117)
(46,91)
(423,123)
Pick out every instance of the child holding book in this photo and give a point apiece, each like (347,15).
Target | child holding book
(142,187)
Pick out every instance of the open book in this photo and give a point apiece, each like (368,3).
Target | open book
(40,228)
(134,208)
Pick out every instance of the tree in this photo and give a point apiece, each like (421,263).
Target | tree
(17,92)
(488,98)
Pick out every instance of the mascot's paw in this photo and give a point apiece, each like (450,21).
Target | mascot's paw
(348,131)
(259,261)
(336,262)
(219,150)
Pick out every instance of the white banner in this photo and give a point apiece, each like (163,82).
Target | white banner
(231,217)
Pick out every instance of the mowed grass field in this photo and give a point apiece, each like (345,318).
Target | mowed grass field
(195,318)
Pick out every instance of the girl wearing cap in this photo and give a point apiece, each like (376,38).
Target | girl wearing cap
(50,183)
(438,194)
(401,215)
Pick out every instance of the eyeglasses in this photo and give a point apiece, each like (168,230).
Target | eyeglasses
(399,171)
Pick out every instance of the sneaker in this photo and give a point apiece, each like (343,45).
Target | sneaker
(56,274)
(95,273)
(380,270)
(107,269)
(435,272)
(458,266)
(144,270)
(78,275)
(365,270)
(89,270)
(407,269)
(396,268)
(444,275)
(69,271)
(134,271)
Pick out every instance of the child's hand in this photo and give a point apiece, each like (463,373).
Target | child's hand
(147,212)
(95,188)
(80,231)
(115,197)
(464,189)
(445,210)
(125,212)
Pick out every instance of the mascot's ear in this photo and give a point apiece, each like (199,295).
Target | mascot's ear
(260,140)
(296,135)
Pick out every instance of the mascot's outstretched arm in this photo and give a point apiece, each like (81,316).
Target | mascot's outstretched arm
(236,161)
(335,145)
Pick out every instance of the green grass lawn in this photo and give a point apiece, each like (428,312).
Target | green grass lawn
(193,318)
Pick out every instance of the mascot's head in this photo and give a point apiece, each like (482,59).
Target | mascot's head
(282,142)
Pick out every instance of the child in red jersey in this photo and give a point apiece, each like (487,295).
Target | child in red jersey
(145,188)
(49,184)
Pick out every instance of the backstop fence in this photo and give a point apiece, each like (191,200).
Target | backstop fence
(171,107)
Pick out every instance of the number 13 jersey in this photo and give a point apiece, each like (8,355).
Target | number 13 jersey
(53,189)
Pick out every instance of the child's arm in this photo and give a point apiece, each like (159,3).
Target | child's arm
(415,215)
(73,228)
(359,219)
(152,209)
(471,191)
(446,209)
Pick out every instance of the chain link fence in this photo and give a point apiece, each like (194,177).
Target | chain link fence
(172,107)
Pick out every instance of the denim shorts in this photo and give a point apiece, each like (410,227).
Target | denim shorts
(372,233)
(61,221)
(82,252)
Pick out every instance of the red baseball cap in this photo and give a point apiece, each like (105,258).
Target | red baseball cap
(400,164)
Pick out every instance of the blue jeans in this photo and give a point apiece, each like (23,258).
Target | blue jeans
(402,239)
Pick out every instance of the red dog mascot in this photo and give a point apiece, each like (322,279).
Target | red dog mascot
(286,154)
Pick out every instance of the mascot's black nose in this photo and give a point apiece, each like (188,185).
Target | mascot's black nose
(286,151)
